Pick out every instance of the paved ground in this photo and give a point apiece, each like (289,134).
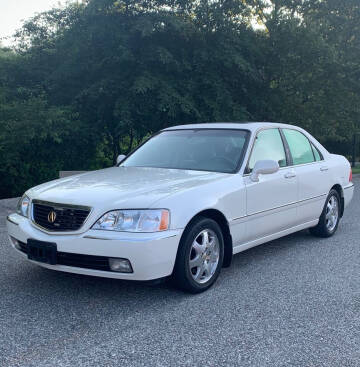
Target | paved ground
(291,302)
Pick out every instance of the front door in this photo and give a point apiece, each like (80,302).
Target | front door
(271,202)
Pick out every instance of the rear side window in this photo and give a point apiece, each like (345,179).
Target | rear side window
(268,145)
(300,147)
(317,154)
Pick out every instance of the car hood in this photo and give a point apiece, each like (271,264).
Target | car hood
(121,187)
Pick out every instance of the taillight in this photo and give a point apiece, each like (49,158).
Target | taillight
(350,176)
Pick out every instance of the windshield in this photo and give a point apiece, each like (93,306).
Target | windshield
(203,150)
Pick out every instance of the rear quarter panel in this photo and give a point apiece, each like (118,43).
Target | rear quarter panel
(339,170)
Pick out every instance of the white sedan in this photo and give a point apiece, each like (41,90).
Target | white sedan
(183,203)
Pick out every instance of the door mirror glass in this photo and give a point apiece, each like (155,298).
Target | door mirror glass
(120,158)
(264,167)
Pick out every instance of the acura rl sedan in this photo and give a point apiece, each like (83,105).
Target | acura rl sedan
(183,203)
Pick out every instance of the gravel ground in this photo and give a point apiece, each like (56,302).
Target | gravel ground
(291,302)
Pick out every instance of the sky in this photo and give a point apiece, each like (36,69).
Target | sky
(13,12)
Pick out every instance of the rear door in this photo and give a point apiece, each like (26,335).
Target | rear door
(271,202)
(312,173)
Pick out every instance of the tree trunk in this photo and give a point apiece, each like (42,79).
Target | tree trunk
(131,142)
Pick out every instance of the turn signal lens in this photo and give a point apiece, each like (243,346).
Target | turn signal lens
(350,176)
(164,223)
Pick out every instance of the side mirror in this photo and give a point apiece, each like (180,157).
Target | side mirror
(264,167)
(120,158)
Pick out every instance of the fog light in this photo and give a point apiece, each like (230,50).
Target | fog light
(120,265)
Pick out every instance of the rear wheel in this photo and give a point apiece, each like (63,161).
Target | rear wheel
(330,216)
(200,256)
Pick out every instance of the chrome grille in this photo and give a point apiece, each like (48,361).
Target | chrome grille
(66,218)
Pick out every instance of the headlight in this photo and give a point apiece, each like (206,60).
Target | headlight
(23,206)
(151,220)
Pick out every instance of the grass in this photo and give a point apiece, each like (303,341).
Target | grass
(356,170)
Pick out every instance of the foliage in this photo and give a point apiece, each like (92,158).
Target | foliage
(89,81)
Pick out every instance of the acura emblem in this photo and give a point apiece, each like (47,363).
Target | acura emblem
(52,217)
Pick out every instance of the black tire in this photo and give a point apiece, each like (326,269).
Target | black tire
(322,229)
(183,276)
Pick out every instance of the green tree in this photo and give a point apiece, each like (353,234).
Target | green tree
(90,81)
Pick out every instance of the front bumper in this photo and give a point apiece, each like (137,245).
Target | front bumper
(152,255)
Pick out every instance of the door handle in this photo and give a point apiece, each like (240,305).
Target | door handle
(290,175)
(324,168)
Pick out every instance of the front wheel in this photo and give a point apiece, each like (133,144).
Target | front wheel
(330,216)
(200,256)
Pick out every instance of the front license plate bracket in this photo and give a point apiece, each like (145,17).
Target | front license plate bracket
(41,251)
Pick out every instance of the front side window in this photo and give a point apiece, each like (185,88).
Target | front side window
(268,145)
(216,150)
(300,147)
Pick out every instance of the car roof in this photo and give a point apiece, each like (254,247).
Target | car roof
(252,126)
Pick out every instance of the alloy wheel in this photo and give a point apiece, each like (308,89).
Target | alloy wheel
(332,213)
(204,256)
